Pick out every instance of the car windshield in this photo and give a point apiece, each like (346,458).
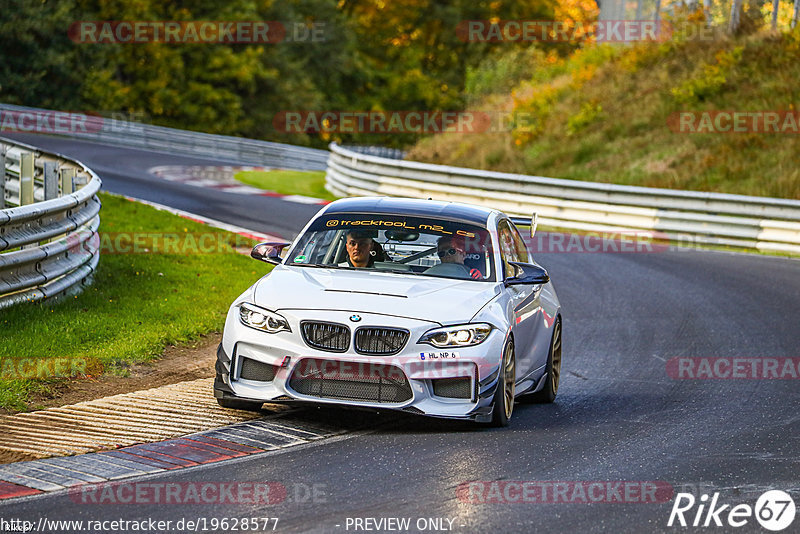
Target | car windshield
(395,243)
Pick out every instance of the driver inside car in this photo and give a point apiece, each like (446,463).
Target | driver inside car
(362,250)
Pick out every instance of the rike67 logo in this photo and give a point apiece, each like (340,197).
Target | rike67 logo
(774,510)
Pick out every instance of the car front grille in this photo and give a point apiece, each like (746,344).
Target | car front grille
(380,341)
(366,382)
(332,337)
(255,370)
(453,388)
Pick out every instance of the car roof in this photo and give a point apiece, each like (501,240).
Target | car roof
(414,207)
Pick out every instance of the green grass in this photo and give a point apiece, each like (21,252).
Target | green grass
(306,183)
(138,303)
(604,115)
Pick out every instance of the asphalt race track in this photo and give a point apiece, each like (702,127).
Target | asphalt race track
(619,415)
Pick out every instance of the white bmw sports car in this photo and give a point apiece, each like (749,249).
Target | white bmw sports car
(433,308)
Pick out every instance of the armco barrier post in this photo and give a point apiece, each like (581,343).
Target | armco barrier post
(67,181)
(50,180)
(25,178)
(51,186)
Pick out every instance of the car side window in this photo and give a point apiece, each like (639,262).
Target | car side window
(508,249)
(519,243)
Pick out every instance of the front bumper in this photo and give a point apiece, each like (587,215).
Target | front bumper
(262,367)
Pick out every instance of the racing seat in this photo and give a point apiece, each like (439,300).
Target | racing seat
(380,254)
(476,264)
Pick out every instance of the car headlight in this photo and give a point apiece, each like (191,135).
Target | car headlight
(262,319)
(464,335)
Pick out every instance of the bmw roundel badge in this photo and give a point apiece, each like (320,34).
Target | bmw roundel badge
(355,318)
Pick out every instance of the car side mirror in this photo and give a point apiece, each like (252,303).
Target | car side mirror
(527,273)
(269,252)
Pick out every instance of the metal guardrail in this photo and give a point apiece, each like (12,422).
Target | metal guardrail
(166,140)
(688,217)
(49,215)
(380,151)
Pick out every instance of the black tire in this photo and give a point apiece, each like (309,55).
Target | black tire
(506,382)
(550,390)
(238,404)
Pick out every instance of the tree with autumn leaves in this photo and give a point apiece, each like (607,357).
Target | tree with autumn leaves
(376,55)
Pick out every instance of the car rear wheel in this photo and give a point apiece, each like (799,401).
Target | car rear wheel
(548,393)
(238,404)
(504,394)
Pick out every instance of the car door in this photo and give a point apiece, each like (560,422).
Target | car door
(524,301)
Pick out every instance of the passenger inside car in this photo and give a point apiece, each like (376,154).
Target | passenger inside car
(452,253)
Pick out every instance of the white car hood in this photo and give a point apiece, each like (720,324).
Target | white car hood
(439,300)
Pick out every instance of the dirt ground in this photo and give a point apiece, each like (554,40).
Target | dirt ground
(178,364)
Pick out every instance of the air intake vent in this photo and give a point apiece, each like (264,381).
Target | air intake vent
(380,341)
(255,370)
(332,337)
(350,381)
(453,388)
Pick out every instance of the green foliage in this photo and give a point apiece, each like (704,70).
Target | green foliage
(38,63)
(553,80)
(590,113)
(402,55)
(535,104)
(501,70)
(710,78)
(609,114)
